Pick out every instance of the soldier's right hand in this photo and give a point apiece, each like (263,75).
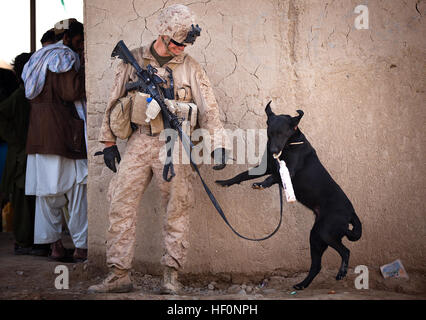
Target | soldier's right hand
(110,155)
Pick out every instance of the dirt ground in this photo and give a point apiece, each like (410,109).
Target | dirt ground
(33,278)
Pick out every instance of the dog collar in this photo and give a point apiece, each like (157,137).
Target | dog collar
(276,156)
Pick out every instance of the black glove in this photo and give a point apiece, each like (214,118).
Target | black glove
(110,154)
(220,157)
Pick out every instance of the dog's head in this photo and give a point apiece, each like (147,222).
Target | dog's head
(280,129)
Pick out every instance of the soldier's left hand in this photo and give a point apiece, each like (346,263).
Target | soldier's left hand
(111,154)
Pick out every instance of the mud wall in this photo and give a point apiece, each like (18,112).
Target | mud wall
(363,94)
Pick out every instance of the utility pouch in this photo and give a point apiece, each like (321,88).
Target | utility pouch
(138,115)
(119,118)
(157,124)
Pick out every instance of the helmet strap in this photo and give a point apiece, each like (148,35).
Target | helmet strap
(166,44)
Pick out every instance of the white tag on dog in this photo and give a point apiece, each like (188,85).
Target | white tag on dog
(286,180)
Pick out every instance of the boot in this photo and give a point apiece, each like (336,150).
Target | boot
(117,281)
(171,285)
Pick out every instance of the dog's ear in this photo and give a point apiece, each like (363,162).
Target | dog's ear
(268,110)
(296,119)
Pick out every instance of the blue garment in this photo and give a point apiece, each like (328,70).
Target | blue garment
(3,153)
(57,58)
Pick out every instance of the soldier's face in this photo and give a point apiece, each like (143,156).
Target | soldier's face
(177,50)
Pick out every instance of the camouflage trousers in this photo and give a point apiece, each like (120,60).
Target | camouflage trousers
(138,166)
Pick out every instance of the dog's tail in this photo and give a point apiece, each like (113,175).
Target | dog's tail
(355,233)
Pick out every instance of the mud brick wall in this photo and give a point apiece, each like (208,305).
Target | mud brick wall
(363,94)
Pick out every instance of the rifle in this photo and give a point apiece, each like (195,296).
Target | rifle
(148,82)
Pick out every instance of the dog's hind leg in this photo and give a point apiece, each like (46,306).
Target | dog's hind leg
(344,253)
(318,246)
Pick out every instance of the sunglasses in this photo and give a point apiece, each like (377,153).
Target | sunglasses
(177,43)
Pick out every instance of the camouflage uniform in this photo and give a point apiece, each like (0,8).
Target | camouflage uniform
(141,162)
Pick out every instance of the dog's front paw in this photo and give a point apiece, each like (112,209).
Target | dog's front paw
(223,183)
(257,186)
(299,286)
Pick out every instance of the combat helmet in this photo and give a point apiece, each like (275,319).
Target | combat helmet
(177,23)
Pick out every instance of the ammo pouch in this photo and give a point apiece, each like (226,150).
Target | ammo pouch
(119,118)
(187,111)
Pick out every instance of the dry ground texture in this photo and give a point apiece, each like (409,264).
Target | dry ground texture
(33,278)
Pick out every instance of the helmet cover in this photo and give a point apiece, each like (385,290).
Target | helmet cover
(175,22)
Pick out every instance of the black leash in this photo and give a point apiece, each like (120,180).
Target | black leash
(219,209)
(188,146)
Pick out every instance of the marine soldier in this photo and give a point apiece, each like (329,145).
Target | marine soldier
(177,29)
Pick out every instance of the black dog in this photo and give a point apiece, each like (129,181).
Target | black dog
(313,187)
